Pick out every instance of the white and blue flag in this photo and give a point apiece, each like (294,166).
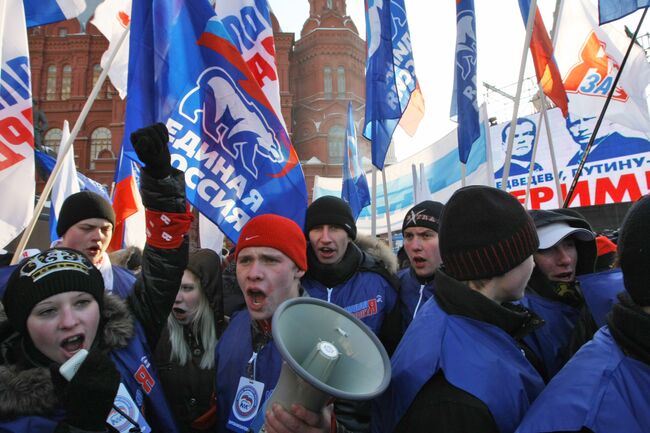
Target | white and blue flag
(355,187)
(41,12)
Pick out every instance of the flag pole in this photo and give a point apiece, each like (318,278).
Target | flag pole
(373,206)
(543,120)
(515,111)
(416,184)
(386,206)
(569,195)
(59,163)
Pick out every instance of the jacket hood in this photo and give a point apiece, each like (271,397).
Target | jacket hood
(587,250)
(378,249)
(29,392)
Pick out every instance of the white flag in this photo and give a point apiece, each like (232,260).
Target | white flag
(210,235)
(589,57)
(66,183)
(248,23)
(16,130)
(112,19)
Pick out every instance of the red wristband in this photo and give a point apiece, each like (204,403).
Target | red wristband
(166,229)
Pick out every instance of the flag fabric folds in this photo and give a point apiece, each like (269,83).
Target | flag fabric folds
(224,133)
(355,186)
(66,182)
(611,10)
(589,57)
(464,105)
(249,27)
(127,203)
(392,93)
(541,49)
(112,18)
(41,12)
(16,124)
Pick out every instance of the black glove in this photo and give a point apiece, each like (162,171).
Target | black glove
(88,397)
(151,146)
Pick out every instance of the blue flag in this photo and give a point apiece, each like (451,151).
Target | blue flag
(237,157)
(611,10)
(355,187)
(464,105)
(41,12)
(391,84)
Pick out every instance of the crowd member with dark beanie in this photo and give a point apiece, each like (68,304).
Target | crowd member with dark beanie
(420,231)
(342,273)
(567,250)
(462,365)
(185,352)
(85,223)
(604,387)
(56,305)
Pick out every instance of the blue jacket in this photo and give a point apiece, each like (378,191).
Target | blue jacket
(123,281)
(233,353)
(599,388)
(551,340)
(413,295)
(477,357)
(600,290)
(366,295)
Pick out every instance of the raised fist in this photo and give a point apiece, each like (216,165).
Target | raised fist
(151,146)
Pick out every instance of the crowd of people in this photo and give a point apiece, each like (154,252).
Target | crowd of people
(500,320)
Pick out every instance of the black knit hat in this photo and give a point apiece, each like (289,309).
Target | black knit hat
(424,214)
(54,271)
(484,233)
(634,252)
(81,206)
(332,211)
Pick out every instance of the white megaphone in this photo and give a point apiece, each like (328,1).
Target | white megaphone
(327,353)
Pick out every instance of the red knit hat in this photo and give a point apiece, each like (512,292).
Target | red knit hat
(275,231)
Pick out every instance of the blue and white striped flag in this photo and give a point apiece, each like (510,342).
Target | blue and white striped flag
(41,12)
(355,187)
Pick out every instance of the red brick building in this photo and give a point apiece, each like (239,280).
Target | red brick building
(319,74)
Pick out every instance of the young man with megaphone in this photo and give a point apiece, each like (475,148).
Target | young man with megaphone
(271,258)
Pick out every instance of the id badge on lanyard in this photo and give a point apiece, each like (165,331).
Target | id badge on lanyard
(126,404)
(247,402)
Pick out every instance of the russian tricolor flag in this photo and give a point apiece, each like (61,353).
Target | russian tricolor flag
(127,204)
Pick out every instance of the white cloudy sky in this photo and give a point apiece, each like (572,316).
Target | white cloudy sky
(500,39)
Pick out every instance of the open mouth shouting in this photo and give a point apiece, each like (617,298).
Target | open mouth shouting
(73,344)
(255,299)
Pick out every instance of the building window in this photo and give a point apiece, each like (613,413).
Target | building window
(97,71)
(63,31)
(100,145)
(335,141)
(66,82)
(327,78)
(52,140)
(329,4)
(50,92)
(340,83)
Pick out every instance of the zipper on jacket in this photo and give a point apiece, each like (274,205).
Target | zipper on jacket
(417,306)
